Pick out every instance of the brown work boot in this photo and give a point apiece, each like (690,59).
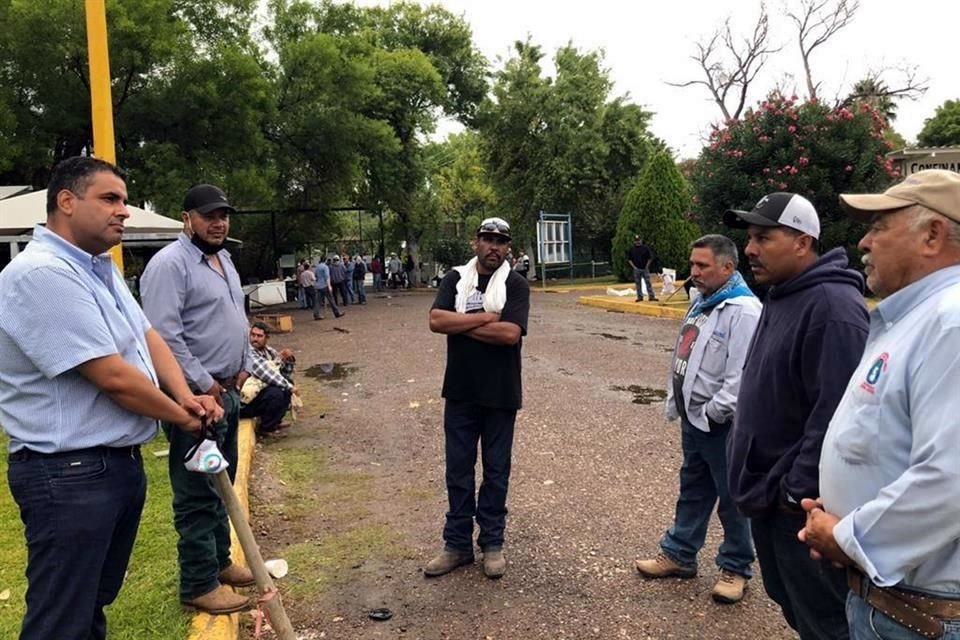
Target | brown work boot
(446,562)
(237,576)
(663,566)
(219,601)
(494,564)
(729,588)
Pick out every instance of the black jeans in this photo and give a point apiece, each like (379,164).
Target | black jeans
(323,296)
(464,425)
(270,406)
(199,514)
(811,594)
(80,511)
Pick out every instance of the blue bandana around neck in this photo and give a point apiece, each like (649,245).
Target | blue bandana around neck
(734,287)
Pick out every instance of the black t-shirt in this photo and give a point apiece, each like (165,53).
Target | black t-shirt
(640,255)
(486,374)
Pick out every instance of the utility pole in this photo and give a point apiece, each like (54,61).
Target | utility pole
(101,102)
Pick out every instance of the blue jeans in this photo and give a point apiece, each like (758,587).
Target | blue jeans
(361,294)
(867,623)
(464,425)
(811,594)
(642,277)
(703,483)
(377,282)
(80,512)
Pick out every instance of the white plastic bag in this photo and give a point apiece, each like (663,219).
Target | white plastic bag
(205,456)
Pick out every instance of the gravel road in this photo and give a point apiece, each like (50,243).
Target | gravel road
(593,486)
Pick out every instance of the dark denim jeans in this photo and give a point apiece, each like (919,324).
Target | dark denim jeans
(323,295)
(270,406)
(80,511)
(465,424)
(361,294)
(703,483)
(641,278)
(866,623)
(811,594)
(199,514)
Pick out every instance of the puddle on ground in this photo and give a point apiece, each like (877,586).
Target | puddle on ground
(330,371)
(609,336)
(642,395)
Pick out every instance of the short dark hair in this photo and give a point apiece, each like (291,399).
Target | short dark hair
(75,174)
(263,326)
(814,242)
(721,246)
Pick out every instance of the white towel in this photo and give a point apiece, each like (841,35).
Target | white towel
(495,296)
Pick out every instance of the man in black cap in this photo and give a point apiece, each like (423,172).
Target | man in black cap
(482,307)
(191,294)
(809,340)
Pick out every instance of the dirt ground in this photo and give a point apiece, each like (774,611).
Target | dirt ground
(354,496)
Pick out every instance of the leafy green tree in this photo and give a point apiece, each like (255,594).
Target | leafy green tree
(562,144)
(943,129)
(657,208)
(785,145)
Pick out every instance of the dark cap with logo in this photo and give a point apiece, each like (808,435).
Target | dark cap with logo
(778,210)
(494,227)
(205,198)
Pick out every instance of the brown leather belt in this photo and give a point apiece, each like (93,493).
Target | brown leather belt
(918,612)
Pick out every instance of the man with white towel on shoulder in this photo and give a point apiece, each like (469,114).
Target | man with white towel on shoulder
(482,307)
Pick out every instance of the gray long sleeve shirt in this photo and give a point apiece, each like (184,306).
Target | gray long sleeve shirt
(198,311)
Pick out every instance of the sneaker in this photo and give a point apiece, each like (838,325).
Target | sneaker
(494,564)
(339,315)
(446,561)
(663,566)
(237,576)
(729,588)
(221,600)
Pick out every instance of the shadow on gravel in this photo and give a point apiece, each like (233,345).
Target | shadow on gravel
(642,395)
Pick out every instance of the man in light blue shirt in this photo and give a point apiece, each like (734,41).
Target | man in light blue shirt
(890,465)
(191,294)
(324,291)
(79,369)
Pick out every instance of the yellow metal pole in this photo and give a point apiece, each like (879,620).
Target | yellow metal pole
(101,102)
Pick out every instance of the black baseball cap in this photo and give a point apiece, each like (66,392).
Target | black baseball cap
(205,198)
(778,209)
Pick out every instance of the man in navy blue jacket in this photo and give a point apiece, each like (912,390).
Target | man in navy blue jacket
(809,341)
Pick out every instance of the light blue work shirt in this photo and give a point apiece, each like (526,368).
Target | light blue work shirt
(890,465)
(198,311)
(322,272)
(59,308)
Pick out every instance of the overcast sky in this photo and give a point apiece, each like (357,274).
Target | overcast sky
(649,43)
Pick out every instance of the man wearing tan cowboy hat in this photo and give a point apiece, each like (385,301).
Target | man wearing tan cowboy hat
(890,464)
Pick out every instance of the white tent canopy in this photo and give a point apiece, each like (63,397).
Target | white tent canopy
(19,214)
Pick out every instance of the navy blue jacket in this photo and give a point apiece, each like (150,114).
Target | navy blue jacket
(807,345)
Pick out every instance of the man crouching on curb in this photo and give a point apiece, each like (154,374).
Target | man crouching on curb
(482,307)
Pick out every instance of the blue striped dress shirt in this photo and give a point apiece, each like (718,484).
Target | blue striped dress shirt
(60,307)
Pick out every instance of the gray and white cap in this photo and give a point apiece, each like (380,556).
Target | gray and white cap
(778,210)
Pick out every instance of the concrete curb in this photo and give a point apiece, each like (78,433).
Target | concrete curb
(652,309)
(205,626)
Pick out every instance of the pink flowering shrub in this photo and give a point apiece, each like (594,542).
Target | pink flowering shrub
(809,148)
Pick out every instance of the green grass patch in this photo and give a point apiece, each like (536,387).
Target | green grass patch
(310,484)
(317,566)
(148,605)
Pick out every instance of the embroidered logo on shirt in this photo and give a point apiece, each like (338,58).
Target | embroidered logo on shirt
(874,372)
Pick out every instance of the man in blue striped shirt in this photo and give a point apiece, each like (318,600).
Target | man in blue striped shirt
(191,294)
(79,369)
